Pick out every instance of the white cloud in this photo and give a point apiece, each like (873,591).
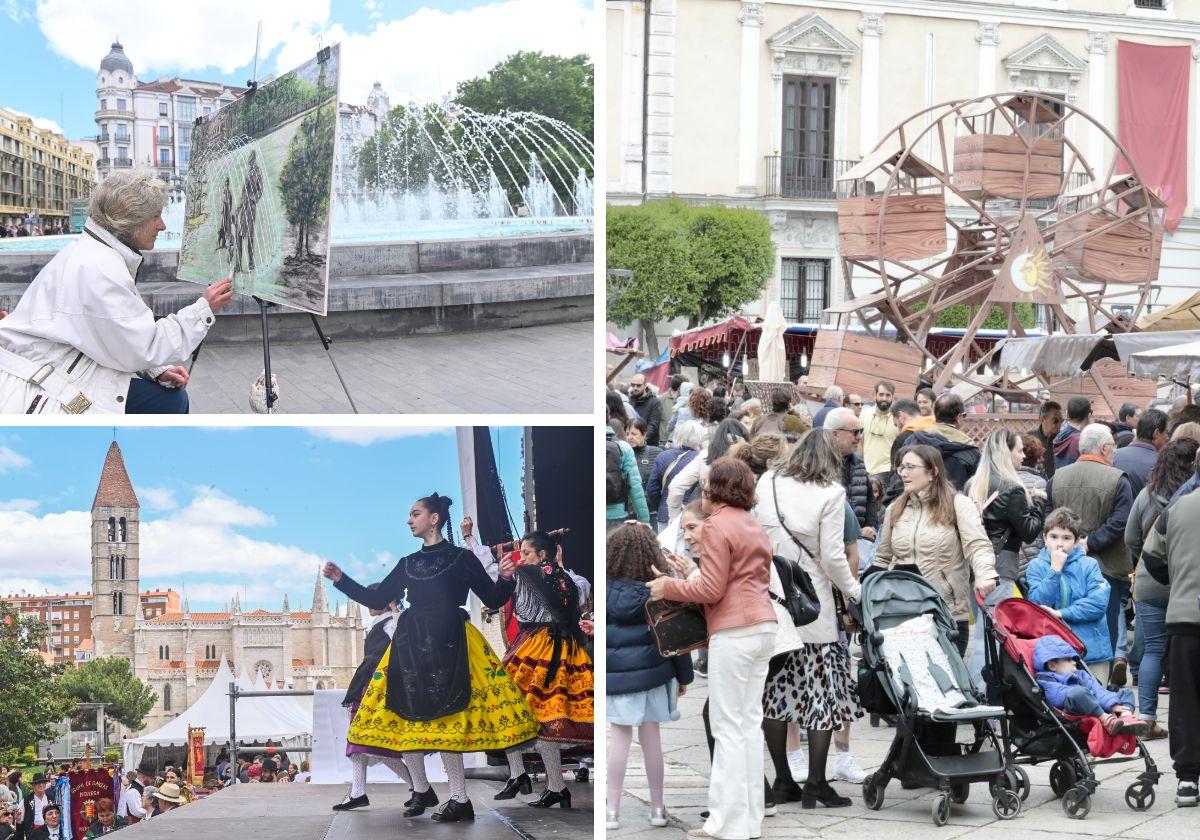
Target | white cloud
(365,436)
(374,8)
(16,11)
(27,505)
(40,122)
(174,37)
(425,55)
(157,498)
(12,460)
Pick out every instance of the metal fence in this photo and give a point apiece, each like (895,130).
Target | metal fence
(804,177)
(236,694)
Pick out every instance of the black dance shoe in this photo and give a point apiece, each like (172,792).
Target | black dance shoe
(352,803)
(550,798)
(419,802)
(521,784)
(455,811)
(824,793)
(787,790)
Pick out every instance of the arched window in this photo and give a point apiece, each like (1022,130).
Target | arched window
(320,685)
(112,529)
(121,531)
(166,698)
(112,567)
(118,603)
(122,568)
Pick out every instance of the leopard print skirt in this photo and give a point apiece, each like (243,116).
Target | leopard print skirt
(813,688)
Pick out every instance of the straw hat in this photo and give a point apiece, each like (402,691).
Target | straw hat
(169,793)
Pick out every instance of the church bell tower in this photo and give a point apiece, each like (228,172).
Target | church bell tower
(114,559)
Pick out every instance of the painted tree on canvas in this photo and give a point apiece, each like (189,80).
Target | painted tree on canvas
(304,181)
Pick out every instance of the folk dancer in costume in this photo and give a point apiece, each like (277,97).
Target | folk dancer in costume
(461,700)
(550,663)
(383,623)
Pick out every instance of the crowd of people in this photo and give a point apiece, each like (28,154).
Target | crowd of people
(52,229)
(32,811)
(706,484)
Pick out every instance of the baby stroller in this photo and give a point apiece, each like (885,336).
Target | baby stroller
(911,669)
(1035,731)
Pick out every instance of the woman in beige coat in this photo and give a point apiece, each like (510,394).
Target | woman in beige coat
(938,534)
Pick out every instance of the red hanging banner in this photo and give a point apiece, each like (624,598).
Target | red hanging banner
(1152,113)
(88,787)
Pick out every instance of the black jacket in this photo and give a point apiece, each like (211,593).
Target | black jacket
(858,490)
(27,830)
(645,455)
(649,409)
(633,661)
(961,459)
(1010,521)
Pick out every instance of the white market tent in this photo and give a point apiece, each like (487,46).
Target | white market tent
(259,719)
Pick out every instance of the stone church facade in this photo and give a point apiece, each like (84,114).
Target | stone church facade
(177,653)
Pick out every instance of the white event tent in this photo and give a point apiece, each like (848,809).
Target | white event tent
(259,719)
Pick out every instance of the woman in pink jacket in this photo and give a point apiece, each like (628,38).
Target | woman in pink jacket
(731,584)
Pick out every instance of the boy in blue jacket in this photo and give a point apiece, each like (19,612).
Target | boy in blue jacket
(1072,689)
(1064,580)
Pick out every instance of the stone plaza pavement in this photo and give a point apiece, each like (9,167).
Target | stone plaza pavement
(540,370)
(906,813)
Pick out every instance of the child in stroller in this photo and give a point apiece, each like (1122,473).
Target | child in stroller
(1069,687)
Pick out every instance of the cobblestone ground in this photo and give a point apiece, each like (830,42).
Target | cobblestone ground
(540,370)
(905,813)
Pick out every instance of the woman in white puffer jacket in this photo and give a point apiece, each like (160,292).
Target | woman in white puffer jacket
(82,339)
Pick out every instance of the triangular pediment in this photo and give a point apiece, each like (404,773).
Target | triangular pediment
(1045,53)
(812,33)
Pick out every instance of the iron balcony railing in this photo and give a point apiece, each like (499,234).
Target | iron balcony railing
(804,177)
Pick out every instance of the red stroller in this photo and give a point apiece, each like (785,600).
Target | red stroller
(1034,731)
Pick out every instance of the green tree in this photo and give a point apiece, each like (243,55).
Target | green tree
(698,263)
(32,702)
(304,181)
(959,316)
(110,680)
(558,87)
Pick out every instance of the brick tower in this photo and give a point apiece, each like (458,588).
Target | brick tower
(114,559)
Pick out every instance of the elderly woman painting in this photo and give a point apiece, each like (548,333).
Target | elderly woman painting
(82,339)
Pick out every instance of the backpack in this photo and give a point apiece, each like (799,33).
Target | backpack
(616,483)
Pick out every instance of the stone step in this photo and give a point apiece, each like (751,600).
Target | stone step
(394,305)
(373,258)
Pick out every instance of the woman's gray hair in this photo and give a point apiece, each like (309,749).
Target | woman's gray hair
(691,434)
(814,459)
(126,200)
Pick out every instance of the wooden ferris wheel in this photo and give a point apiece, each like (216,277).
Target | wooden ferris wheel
(991,203)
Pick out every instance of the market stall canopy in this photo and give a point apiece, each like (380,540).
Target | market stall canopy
(1184,315)
(1179,361)
(1067,355)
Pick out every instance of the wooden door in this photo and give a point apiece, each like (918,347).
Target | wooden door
(806,148)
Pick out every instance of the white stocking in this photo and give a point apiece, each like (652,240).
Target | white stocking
(516,762)
(619,740)
(453,762)
(416,766)
(397,767)
(358,774)
(551,754)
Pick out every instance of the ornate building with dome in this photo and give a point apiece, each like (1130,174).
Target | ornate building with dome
(177,653)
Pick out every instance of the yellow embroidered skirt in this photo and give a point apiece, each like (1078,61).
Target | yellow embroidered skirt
(565,709)
(496,718)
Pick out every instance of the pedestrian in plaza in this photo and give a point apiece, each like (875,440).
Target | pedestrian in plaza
(751,410)
(615,409)
(167,797)
(846,430)
(725,435)
(624,494)
(731,584)
(959,453)
(935,532)
(802,507)
(853,402)
(1127,419)
(439,687)
(106,821)
(636,431)
(82,339)
(1172,557)
(643,687)
(1190,429)
(833,399)
(1066,442)
(1012,517)
(925,399)
(130,806)
(1174,466)
(690,439)
(666,404)
(1049,425)
(781,419)
(879,430)
(648,407)
(1101,495)
(1137,458)
(40,797)
(52,828)
(679,410)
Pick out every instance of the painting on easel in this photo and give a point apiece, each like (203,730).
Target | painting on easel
(259,185)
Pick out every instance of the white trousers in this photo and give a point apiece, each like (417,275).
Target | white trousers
(737,671)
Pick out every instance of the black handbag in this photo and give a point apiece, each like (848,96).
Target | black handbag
(799,595)
(677,627)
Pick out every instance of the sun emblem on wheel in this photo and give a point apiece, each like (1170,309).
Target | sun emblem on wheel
(1031,271)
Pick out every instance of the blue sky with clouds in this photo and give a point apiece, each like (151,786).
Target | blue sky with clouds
(251,509)
(416,48)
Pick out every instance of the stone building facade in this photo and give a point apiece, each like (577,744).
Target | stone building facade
(41,172)
(177,653)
